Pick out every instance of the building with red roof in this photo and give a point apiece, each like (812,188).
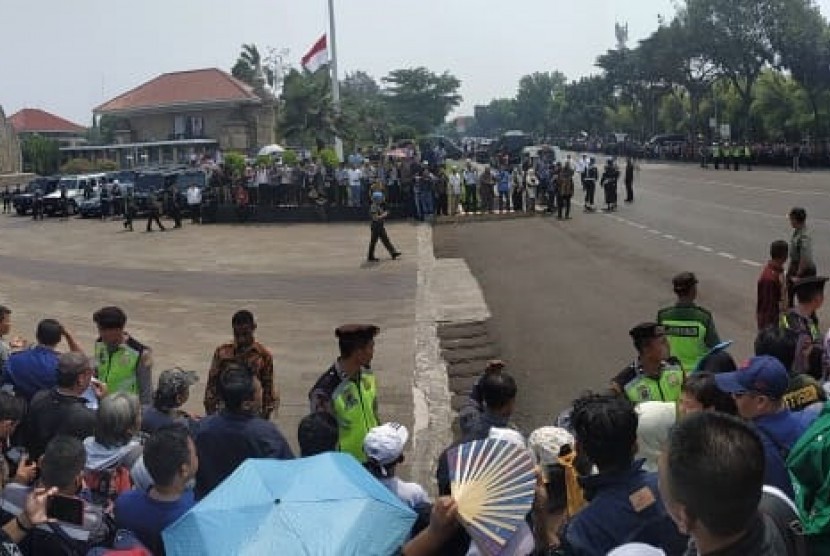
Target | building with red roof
(180,116)
(33,121)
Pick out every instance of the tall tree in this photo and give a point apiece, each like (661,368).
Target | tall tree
(801,38)
(737,40)
(419,98)
(40,155)
(249,63)
(365,115)
(308,116)
(538,101)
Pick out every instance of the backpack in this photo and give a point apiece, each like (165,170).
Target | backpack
(106,484)
(809,466)
(786,522)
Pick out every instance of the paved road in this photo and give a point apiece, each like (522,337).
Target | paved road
(181,287)
(564,294)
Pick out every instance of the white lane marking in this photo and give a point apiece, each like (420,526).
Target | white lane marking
(655,232)
(726,255)
(669,236)
(641,226)
(751,263)
(753,188)
(705,249)
(686,243)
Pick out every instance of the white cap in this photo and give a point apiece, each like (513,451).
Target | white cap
(384,444)
(546,442)
(636,549)
(508,435)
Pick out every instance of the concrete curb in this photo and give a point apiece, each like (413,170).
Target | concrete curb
(446,292)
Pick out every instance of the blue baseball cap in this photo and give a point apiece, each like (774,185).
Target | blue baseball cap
(763,375)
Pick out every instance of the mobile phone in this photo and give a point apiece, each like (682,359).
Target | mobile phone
(556,487)
(65,508)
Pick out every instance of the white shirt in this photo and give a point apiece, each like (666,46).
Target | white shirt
(411,494)
(354,175)
(194,195)
(455,184)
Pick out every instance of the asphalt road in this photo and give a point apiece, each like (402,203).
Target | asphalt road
(563,294)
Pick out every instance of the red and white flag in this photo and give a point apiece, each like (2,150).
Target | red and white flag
(317,57)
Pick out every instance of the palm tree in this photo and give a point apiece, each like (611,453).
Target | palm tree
(249,63)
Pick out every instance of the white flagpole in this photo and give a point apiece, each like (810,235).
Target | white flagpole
(335,82)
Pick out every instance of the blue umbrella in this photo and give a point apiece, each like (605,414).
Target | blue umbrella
(326,504)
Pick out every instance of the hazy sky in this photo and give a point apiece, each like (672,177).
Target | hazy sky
(68,57)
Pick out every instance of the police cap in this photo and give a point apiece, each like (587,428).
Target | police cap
(646,331)
(355,331)
(684,281)
(810,283)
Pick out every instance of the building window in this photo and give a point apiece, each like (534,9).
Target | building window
(197,127)
(179,128)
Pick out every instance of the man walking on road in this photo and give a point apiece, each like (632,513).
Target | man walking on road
(590,184)
(801,251)
(689,327)
(629,181)
(379,215)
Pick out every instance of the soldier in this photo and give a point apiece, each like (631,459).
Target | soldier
(174,205)
(155,211)
(129,209)
(379,215)
(802,263)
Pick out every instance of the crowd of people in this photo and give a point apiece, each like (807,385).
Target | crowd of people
(683,452)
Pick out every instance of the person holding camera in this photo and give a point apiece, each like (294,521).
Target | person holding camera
(66,522)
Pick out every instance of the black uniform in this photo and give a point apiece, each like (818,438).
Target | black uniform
(153,215)
(589,182)
(129,210)
(629,182)
(175,206)
(378,212)
(609,184)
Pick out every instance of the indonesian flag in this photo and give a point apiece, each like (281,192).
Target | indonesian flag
(317,57)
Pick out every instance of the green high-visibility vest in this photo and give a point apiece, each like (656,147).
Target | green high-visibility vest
(117,369)
(665,388)
(355,408)
(686,340)
(716,151)
(747,152)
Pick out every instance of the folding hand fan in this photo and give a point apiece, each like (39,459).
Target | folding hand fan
(493,482)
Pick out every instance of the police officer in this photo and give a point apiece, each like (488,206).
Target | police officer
(129,209)
(689,327)
(348,390)
(174,203)
(655,375)
(737,155)
(379,215)
(716,154)
(748,157)
(154,210)
(801,251)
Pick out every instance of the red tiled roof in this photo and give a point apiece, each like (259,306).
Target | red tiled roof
(33,120)
(182,88)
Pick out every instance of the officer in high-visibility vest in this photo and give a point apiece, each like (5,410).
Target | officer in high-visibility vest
(737,155)
(654,375)
(348,390)
(748,157)
(716,154)
(690,328)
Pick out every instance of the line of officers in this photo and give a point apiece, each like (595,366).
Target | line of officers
(728,155)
